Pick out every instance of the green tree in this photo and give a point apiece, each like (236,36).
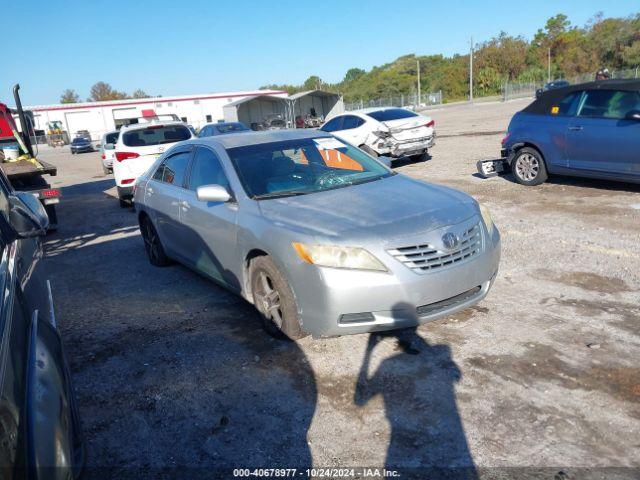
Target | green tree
(103,91)
(69,96)
(139,94)
(353,74)
(312,83)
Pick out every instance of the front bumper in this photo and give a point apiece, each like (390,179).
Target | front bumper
(340,302)
(81,149)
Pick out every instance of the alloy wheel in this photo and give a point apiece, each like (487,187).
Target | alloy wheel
(527,167)
(267,299)
(151,241)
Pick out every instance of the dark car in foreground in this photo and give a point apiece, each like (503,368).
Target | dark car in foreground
(222,128)
(81,145)
(588,130)
(39,424)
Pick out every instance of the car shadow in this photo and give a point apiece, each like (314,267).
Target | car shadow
(418,389)
(404,161)
(582,182)
(174,374)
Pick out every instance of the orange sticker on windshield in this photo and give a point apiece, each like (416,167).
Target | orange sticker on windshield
(555,110)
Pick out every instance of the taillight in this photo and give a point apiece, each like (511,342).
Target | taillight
(104,157)
(127,181)
(432,123)
(504,140)
(120,156)
(51,193)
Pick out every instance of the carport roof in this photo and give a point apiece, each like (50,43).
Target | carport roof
(255,97)
(319,93)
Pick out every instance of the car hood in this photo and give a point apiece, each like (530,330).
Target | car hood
(389,208)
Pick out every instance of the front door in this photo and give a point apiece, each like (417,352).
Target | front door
(209,229)
(600,138)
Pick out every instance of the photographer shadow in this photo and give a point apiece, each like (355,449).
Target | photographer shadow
(418,388)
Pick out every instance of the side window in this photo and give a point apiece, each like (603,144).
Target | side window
(332,125)
(351,121)
(569,104)
(206,170)
(613,104)
(173,170)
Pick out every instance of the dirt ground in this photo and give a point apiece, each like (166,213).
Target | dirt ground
(175,376)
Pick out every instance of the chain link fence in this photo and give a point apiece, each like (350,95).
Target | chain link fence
(409,101)
(513,90)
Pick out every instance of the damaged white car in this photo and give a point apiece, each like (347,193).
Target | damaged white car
(389,131)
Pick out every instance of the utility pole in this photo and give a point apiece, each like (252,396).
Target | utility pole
(549,58)
(471,72)
(419,97)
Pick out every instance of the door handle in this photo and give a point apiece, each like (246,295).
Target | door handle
(150,190)
(577,128)
(184,204)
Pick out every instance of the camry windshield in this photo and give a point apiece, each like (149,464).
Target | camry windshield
(298,167)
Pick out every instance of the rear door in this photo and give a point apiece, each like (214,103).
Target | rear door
(162,197)
(600,138)
(209,229)
(352,131)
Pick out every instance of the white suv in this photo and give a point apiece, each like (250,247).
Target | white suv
(390,131)
(138,147)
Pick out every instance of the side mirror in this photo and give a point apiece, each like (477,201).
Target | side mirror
(633,115)
(109,146)
(213,193)
(538,92)
(385,160)
(27,215)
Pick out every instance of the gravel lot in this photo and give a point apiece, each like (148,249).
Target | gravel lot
(172,371)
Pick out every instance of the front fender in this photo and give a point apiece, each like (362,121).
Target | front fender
(54,445)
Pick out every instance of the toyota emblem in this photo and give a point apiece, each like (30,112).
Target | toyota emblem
(450,240)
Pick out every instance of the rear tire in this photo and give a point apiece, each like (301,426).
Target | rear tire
(106,170)
(152,244)
(528,167)
(274,299)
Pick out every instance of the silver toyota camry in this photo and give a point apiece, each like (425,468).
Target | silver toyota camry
(322,238)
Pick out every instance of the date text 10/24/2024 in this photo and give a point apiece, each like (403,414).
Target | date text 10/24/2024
(316,473)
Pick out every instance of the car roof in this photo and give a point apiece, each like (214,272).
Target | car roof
(233,140)
(551,97)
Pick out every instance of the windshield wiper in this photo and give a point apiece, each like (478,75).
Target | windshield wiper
(286,193)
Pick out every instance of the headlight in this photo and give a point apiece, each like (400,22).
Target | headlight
(338,257)
(486,217)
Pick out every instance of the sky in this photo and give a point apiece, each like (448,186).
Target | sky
(172,47)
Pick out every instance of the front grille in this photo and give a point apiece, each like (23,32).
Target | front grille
(426,257)
(447,304)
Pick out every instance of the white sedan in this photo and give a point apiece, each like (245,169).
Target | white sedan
(390,131)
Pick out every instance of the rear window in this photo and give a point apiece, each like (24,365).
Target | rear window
(231,127)
(111,137)
(391,114)
(155,135)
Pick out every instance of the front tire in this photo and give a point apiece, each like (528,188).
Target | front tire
(528,167)
(274,299)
